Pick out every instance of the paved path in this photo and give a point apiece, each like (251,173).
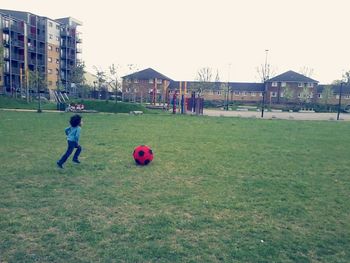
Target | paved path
(254,114)
(279,115)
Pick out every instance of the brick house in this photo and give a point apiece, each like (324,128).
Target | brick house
(145,85)
(291,87)
(288,87)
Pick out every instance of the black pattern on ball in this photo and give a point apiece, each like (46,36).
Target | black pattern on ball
(143,155)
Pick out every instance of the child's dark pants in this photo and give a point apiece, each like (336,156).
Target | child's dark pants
(70,149)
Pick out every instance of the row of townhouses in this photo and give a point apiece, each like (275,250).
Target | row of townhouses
(31,43)
(288,87)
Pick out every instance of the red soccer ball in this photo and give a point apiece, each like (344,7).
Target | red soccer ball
(143,155)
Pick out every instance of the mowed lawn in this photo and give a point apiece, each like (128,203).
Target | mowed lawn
(218,190)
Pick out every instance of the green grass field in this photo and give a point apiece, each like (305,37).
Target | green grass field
(218,190)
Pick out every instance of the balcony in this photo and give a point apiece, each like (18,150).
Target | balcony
(32,61)
(18,29)
(13,71)
(17,43)
(78,38)
(17,57)
(6,42)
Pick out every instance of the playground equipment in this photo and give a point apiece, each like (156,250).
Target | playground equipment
(193,104)
(61,99)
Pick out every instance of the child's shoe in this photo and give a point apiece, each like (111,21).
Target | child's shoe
(59,165)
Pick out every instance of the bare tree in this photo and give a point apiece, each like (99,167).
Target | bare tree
(306,71)
(113,81)
(204,78)
(101,79)
(265,72)
(217,77)
(205,74)
(132,68)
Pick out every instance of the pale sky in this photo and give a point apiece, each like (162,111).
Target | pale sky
(179,37)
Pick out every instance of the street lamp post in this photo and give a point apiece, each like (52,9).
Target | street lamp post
(263,102)
(228,86)
(339,104)
(39,94)
(265,78)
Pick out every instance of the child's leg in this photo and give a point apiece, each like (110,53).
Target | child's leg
(77,153)
(71,146)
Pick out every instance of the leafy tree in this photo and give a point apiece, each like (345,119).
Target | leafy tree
(77,76)
(345,78)
(287,93)
(1,57)
(37,81)
(305,96)
(327,95)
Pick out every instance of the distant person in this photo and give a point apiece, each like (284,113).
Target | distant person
(73,135)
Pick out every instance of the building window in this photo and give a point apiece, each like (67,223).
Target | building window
(237,93)
(57,38)
(49,59)
(159,81)
(57,27)
(261,94)
(136,81)
(219,92)
(57,71)
(281,95)
(49,71)
(57,61)
(300,85)
(274,84)
(273,94)
(151,81)
(253,94)
(319,95)
(50,24)
(337,96)
(310,85)
(283,84)
(50,36)
(347,96)
(49,47)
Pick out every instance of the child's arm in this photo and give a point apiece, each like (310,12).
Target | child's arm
(77,135)
(67,130)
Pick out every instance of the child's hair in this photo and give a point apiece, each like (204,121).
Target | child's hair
(75,120)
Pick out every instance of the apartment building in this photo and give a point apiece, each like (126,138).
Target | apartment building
(37,48)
